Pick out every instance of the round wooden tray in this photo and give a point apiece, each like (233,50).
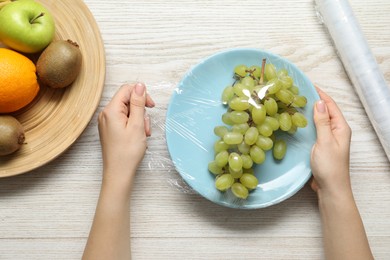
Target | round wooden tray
(57,117)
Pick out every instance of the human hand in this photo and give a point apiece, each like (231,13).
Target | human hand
(123,128)
(330,153)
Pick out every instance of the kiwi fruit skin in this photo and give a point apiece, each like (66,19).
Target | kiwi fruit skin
(59,64)
(11,135)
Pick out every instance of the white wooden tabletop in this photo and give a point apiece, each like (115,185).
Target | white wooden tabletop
(47,213)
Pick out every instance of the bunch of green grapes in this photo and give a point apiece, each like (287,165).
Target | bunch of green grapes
(260,102)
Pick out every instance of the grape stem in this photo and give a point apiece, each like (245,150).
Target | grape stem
(251,73)
(262,72)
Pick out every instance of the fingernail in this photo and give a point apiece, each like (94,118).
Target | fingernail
(140,89)
(321,107)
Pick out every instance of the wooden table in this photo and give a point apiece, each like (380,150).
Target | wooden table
(47,213)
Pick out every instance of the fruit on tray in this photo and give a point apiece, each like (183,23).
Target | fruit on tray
(59,64)
(18,81)
(26,26)
(12,135)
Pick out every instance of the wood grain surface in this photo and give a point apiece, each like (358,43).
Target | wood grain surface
(47,213)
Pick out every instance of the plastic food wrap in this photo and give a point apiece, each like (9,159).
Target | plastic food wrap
(196,107)
(360,64)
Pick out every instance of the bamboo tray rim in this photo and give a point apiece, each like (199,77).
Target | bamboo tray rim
(57,117)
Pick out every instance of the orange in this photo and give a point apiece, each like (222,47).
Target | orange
(18,81)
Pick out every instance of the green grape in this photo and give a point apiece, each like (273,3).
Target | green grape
(243,148)
(271,106)
(227,95)
(265,143)
(286,81)
(221,159)
(249,181)
(239,117)
(239,190)
(233,138)
(293,129)
(220,130)
(247,162)
(276,116)
(256,71)
(238,88)
(271,96)
(269,71)
(272,122)
(282,73)
(299,101)
(295,90)
(282,107)
(279,150)
(224,182)
(257,154)
(265,129)
(214,168)
(240,70)
(226,119)
(235,161)
(220,146)
(240,128)
(273,86)
(248,82)
(285,121)
(285,96)
(299,120)
(236,174)
(258,114)
(239,103)
(251,135)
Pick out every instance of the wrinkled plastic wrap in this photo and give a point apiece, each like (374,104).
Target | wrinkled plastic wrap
(195,108)
(157,156)
(360,64)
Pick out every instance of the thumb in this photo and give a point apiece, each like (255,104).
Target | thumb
(137,103)
(322,121)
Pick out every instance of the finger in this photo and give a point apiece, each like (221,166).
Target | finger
(137,103)
(149,101)
(339,125)
(334,111)
(119,104)
(122,96)
(148,130)
(313,184)
(322,121)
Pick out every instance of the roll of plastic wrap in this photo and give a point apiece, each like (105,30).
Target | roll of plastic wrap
(360,64)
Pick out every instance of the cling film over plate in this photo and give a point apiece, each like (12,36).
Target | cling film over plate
(201,114)
(262,103)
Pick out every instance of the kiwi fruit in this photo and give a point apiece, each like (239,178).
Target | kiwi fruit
(12,135)
(59,64)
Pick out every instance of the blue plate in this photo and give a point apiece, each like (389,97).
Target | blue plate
(196,108)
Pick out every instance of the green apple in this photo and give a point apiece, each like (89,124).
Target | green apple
(26,26)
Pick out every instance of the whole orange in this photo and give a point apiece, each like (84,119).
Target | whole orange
(18,81)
